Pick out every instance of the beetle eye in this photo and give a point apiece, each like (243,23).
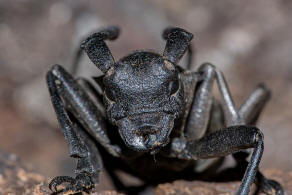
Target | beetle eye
(110,94)
(173,86)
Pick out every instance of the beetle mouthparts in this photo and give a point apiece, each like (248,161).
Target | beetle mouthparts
(146,130)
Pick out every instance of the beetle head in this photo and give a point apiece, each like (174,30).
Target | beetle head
(143,95)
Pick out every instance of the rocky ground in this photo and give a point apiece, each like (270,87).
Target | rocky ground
(17,180)
(205,188)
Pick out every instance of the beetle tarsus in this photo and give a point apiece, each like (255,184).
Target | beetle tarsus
(268,186)
(81,183)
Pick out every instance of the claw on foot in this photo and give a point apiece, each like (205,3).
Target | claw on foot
(82,183)
(272,187)
(60,180)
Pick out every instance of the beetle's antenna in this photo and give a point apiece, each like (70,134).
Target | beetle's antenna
(177,42)
(97,50)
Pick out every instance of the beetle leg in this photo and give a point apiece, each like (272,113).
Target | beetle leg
(201,108)
(93,163)
(80,146)
(200,111)
(252,107)
(247,114)
(76,147)
(250,111)
(86,171)
(221,143)
(269,186)
(230,112)
(82,107)
(92,92)
(199,115)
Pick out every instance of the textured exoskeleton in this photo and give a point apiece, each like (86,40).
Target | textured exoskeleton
(154,119)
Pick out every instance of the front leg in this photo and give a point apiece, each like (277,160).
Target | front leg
(80,104)
(87,169)
(221,143)
(80,146)
(66,93)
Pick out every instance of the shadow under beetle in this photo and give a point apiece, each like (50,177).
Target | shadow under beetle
(157,121)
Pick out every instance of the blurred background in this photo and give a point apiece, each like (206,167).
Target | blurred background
(250,41)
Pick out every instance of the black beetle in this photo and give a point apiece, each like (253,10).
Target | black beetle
(153,107)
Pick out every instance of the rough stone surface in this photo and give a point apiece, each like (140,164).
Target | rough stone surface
(207,188)
(15,179)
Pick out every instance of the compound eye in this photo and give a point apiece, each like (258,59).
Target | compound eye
(110,94)
(173,86)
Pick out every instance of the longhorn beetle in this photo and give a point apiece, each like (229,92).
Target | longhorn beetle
(157,121)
